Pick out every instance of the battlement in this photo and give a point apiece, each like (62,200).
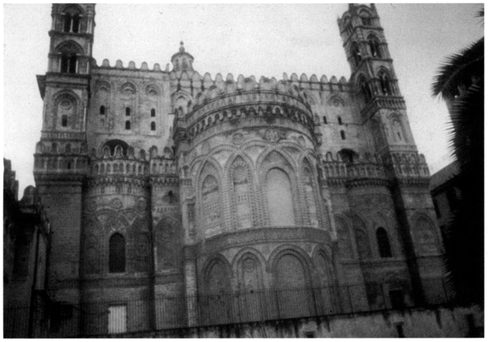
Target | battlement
(195,80)
(131,67)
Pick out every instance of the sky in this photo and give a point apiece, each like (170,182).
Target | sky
(248,39)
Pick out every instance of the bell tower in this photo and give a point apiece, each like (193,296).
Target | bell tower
(61,159)
(383,112)
(380,101)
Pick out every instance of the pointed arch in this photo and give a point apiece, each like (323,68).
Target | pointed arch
(117,253)
(424,234)
(385,82)
(152,90)
(216,275)
(383,241)
(182,103)
(362,238)
(241,182)
(292,280)
(209,187)
(356,53)
(128,89)
(346,250)
(397,127)
(374,46)
(325,278)
(335,100)
(364,88)
(279,198)
(378,138)
(309,97)
(167,242)
(310,186)
(366,17)
(249,265)
(66,109)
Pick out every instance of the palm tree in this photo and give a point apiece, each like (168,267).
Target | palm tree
(460,82)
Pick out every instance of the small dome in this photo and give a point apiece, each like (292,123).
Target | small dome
(182,61)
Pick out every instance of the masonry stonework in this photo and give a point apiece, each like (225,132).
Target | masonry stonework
(170,183)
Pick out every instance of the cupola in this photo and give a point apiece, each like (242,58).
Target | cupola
(182,61)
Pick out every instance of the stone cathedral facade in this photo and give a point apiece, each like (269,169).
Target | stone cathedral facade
(173,183)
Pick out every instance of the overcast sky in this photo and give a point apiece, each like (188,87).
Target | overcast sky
(251,39)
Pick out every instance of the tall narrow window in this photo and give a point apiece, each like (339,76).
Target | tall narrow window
(365,90)
(280,200)
(71,19)
(385,84)
(127,125)
(356,54)
(153,113)
(374,46)
(343,135)
(75,23)
(68,63)
(64,120)
(339,119)
(67,22)
(153,126)
(127,111)
(383,243)
(102,110)
(116,258)
(242,197)
(366,21)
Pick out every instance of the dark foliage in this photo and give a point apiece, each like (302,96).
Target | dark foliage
(461,83)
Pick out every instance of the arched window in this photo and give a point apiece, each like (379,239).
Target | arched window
(242,197)
(102,110)
(153,113)
(71,20)
(280,200)
(343,135)
(325,120)
(385,83)
(383,243)
(116,255)
(211,205)
(356,54)
(366,20)
(64,120)
(127,125)
(365,90)
(153,126)
(127,111)
(397,129)
(68,53)
(374,46)
(339,119)
(309,195)
(68,63)
(112,144)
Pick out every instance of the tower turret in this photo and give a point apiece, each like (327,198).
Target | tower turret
(383,111)
(61,159)
(182,60)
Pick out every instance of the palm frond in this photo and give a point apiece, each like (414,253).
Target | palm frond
(458,69)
